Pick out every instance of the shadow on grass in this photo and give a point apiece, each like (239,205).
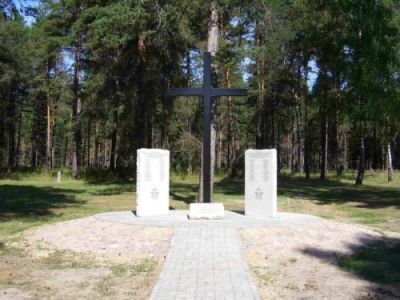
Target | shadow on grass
(334,191)
(230,186)
(187,199)
(24,201)
(377,261)
(182,191)
(187,190)
(323,192)
(116,190)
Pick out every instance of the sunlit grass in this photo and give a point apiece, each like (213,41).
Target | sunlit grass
(35,199)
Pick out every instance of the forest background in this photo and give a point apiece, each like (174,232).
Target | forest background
(83,84)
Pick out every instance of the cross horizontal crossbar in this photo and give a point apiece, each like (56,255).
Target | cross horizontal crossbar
(200,92)
(207,92)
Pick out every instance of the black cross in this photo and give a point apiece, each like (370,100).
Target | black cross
(207,91)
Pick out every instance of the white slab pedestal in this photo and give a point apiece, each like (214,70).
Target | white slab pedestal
(261,183)
(152,182)
(206,211)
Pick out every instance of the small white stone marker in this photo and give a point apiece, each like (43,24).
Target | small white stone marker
(261,183)
(152,182)
(206,211)
(58,176)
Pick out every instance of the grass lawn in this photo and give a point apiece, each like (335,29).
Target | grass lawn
(36,199)
(378,263)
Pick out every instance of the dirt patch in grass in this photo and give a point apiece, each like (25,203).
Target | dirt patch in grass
(310,262)
(121,241)
(83,259)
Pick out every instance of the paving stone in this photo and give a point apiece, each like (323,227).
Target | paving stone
(210,265)
(205,260)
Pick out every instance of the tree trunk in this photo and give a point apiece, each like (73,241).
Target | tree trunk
(149,122)
(200,194)
(113,154)
(96,145)
(261,93)
(188,69)
(65,151)
(2,136)
(292,142)
(190,154)
(375,150)
(34,159)
(306,133)
(389,164)
(278,147)
(361,165)
(297,142)
(104,146)
(339,159)
(83,153)
(383,157)
(212,47)
(88,143)
(324,158)
(19,132)
(231,134)
(300,140)
(76,109)
(189,119)
(324,128)
(11,113)
(220,150)
(38,133)
(141,106)
(345,151)
(53,141)
(106,153)
(48,116)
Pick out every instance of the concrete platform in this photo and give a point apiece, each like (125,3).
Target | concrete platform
(206,211)
(179,218)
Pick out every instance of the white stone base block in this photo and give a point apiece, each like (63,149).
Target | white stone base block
(261,183)
(206,211)
(152,182)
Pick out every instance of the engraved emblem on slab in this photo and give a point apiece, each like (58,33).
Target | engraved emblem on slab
(261,183)
(154,194)
(259,193)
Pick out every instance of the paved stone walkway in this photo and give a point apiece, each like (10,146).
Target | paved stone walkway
(205,263)
(205,260)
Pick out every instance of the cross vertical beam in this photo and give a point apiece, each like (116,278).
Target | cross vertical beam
(207,92)
(207,128)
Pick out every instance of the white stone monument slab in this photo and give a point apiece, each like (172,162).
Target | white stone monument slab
(58,176)
(152,182)
(207,211)
(261,183)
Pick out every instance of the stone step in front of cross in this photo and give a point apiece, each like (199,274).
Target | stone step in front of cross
(206,211)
